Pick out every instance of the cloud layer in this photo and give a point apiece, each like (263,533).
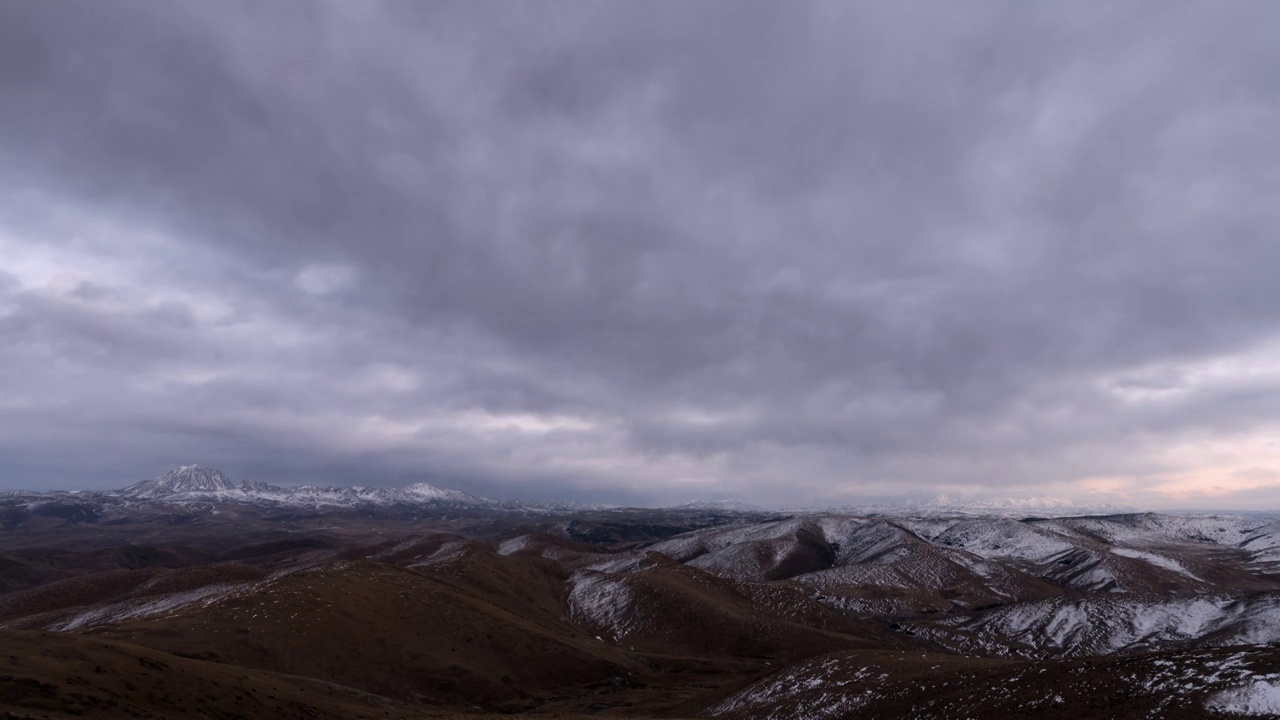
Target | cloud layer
(642,252)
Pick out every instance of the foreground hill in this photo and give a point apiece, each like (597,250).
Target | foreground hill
(61,675)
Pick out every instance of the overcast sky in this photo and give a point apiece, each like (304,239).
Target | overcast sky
(642,252)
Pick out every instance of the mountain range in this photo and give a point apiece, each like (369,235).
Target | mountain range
(191,595)
(194,484)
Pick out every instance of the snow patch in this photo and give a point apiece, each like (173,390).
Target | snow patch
(1157,560)
(1262,697)
(151,607)
(603,602)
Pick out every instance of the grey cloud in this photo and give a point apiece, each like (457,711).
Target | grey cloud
(830,240)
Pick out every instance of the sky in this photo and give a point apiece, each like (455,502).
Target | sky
(646,252)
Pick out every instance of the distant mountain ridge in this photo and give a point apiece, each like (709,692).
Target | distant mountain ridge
(1043,505)
(725,505)
(946,505)
(192,482)
(197,484)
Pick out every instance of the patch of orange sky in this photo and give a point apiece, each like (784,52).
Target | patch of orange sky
(1226,473)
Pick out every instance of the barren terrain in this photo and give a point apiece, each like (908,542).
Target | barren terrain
(193,605)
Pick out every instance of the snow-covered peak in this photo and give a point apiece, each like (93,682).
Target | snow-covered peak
(185,479)
(425,491)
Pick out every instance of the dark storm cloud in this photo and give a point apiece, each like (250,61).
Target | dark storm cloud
(796,251)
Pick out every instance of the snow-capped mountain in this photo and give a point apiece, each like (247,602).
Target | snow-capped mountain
(185,479)
(191,483)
